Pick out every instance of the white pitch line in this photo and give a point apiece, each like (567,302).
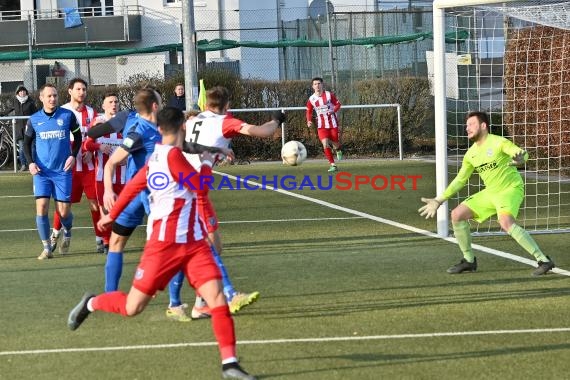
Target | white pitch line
(291,341)
(398,225)
(225,222)
(15,196)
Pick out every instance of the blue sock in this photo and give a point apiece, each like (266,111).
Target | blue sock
(229,290)
(67,223)
(113,271)
(174,289)
(42,222)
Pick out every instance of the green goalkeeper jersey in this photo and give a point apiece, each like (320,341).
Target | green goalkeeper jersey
(491,161)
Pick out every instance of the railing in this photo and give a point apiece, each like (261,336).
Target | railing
(83,12)
(283,109)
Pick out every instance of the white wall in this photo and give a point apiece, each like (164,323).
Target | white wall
(161,25)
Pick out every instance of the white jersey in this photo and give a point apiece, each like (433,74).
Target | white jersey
(173,214)
(211,129)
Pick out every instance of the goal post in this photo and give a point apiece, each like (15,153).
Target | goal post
(513,64)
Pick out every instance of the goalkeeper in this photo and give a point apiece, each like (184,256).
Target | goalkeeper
(495,159)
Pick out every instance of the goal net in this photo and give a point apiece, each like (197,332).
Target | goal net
(512,60)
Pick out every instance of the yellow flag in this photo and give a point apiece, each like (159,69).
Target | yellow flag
(202,96)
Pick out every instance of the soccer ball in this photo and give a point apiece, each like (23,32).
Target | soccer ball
(293,153)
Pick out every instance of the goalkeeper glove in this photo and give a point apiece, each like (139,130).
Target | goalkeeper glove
(518,159)
(278,116)
(430,208)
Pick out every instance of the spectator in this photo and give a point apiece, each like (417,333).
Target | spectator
(23,106)
(178,100)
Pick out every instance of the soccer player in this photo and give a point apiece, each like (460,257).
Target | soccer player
(175,241)
(83,178)
(49,130)
(326,105)
(214,127)
(102,148)
(495,159)
(141,135)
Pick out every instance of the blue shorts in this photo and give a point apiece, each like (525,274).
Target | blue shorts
(53,184)
(132,216)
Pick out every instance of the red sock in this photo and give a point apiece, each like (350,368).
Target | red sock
(56,221)
(223,326)
(95,216)
(111,302)
(328,153)
(106,235)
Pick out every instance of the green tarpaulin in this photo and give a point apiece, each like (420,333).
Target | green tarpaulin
(215,45)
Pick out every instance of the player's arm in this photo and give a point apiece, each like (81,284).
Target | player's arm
(309,113)
(29,138)
(181,171)
(91,145)
(115,124)
(519,156)
(432,204)
(118,156)
(76,147)
(263,130)
(194,148)
(335,102)
(129,192)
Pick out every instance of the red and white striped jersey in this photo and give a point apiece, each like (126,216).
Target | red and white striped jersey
(115,140)
(211,129)
(84,118)
(173,213)
(326,106)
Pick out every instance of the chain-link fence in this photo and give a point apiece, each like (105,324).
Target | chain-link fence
(116,43)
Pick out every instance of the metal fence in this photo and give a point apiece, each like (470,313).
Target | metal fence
(341,65)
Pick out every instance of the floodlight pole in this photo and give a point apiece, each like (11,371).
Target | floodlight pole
(189,55)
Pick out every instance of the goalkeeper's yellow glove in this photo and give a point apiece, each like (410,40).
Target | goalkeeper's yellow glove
(430,208)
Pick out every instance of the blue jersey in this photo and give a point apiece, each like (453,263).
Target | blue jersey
(51,134)
(141,137)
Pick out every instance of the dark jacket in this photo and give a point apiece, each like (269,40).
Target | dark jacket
(177,102)
(19,109)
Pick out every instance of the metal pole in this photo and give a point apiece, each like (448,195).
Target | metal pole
(15,155)
(400,142)
(330,47)
(30,55)
(189,54)
(87,47)
(440,116)
(283,131)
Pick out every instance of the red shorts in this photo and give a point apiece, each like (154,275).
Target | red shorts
(100,187)
(83,182)
(207,213)
(161,260)
(328,133)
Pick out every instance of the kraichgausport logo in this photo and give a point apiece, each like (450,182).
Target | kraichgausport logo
(340,181)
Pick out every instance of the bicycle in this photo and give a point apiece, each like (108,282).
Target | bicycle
(6,145)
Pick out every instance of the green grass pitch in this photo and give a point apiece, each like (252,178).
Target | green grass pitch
(343,294)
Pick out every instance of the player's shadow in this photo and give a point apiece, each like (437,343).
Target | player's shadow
(381,360)
(269,246)
(344,302)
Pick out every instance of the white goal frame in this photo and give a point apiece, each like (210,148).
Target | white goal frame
(439,90)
